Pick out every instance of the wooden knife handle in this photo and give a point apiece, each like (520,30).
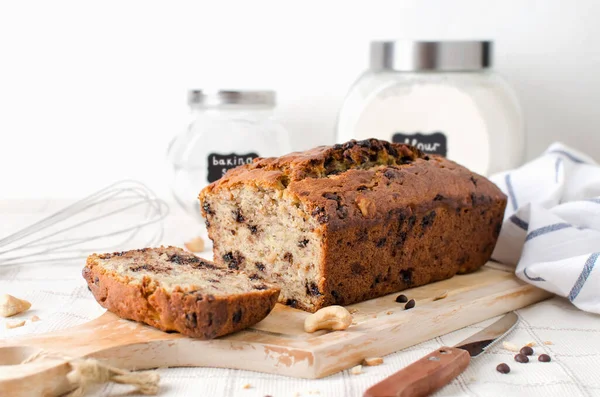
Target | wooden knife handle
(425,376)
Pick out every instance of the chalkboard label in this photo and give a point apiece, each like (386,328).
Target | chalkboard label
(434,143)
(219,164)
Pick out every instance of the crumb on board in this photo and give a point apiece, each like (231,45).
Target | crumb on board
(530,344)
(510,346)
(389,312)
(356,370)
(195,245)
(441,296)
(35,318)
(354,323)
(353,310)
(247,386)
(15,324)
(548,342)
(373,361)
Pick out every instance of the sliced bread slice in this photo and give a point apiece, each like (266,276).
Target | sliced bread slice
(173,290)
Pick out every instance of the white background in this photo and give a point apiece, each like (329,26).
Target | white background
(92,92)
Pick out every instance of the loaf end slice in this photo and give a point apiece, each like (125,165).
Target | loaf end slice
(173,290)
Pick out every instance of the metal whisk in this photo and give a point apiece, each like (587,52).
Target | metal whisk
(111,219)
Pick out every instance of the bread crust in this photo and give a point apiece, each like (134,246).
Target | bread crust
(390,217)
(192,313)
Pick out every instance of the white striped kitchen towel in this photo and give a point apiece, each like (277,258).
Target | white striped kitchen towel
(551,228)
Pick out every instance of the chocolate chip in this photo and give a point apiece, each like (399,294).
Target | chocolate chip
(260,266)
(362,235)
(323,219)
(438,197)
(207,223)
(401,298)
(410,304)
(361,188)
(255,277)
(331,196)
(238,216)
(389,173)
(497,229)
(261,287)
(253,229)
(428,220)
(503,368)
(313,289)
(207,209)
(526,350)
(237,316)
(381,242)
(303,243)
(402,236)
(288,257)
(473,199)
(291,302)
(96,280)
(411,222)
(357,268)
(544,358)
(406,276)
(473,180)
(521,358)
(233,260)
(191,320)
(342,212)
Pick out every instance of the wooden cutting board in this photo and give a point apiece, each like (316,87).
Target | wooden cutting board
(278,344)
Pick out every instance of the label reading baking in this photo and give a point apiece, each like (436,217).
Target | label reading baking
(219,164)
(433,143)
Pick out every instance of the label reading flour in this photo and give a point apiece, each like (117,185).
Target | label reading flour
(219,164)
(434,143)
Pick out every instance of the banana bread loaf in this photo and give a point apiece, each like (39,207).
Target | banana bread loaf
(342,224)
(173,290)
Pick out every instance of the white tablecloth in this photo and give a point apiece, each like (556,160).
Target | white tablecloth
(59,296)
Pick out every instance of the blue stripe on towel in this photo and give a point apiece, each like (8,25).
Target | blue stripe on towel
(567,155)
(519,222)
(511,192)
(532,278)
(547,229)
(585,273)
(556,168)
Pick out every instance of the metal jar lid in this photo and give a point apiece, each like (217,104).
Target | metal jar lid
(413,56)
(204,98)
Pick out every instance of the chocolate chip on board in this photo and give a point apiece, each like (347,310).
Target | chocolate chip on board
(411,303)
(401,298)
(503,368)
(526,350)
(544,358)
(521,358)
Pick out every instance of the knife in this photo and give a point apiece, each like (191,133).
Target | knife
(440,367)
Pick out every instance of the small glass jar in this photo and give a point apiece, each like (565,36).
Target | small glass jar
(228,129)
(443,98)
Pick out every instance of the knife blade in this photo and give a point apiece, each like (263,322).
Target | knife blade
(440,367)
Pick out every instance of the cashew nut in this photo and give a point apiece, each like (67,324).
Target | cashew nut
(332,318)
(9,305)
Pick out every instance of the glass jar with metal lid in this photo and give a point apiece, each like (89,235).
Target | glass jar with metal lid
(228,129)
(441,96)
